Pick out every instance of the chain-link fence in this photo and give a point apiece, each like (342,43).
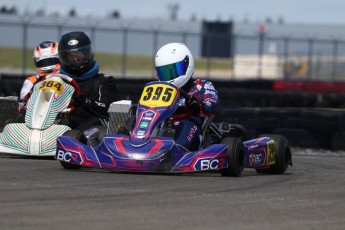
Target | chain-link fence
(127,48)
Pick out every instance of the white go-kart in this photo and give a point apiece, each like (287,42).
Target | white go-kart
(48,103)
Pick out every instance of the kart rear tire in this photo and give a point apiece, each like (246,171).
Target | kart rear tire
(235,154)
(76,134)
(283,155)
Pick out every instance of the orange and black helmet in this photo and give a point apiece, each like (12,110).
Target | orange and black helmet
(46,58)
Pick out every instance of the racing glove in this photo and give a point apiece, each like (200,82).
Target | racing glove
(81,100)
(21,106)
(193,104)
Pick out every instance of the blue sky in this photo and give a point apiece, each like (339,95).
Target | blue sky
(292,11)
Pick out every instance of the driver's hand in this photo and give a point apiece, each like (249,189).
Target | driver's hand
(193,104)
(80,100)
(21,105)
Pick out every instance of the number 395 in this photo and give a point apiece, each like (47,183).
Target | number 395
(158,92)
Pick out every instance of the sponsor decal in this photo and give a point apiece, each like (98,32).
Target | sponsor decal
(206,164)
(148,114)
(209,85)
(64,156)
(144,124)
(147,118)
(191,133)
(141,133)
(213,93)
(99,103)
(181,102)
(72,42)
(271,152)
(255,158)
(252,146)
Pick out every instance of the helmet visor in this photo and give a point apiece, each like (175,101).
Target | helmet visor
(47,62)
(75,58)
(172,71)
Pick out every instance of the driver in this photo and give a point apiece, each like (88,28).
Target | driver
(174,63)
(47,61)
(98,90)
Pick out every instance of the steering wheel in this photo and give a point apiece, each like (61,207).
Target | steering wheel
(70,81)
(184,115)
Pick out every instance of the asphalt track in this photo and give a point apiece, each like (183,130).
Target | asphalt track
(39,194)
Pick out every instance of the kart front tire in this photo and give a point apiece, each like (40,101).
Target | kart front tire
(235,154)
(76,134)
(67,165)
(283,155)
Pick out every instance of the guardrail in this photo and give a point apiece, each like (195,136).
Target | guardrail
(314,118)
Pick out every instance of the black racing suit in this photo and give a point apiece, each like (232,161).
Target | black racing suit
(91,108)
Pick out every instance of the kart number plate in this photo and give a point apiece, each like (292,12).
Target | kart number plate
(271,152)
(55,86)
(158,95)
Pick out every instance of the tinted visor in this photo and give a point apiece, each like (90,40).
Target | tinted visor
(76,57)
(172,71)
(47,62)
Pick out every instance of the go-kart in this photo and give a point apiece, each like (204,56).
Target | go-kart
(48,102)
(150,147)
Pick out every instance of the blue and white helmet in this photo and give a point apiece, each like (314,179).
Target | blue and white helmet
(174,63)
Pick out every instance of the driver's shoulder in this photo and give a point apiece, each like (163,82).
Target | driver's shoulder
(105,77)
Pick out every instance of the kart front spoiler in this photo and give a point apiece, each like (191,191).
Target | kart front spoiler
(159,155)
(19,139)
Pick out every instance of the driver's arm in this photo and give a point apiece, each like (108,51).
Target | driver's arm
(208,97)
(106,95)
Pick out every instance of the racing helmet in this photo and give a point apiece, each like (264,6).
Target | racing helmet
(46,58)
(174,63)
(75,52)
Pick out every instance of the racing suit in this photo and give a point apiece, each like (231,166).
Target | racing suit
(189,131)
(98,91)
(28,84)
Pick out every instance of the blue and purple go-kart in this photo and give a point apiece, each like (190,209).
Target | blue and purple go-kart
(150,146)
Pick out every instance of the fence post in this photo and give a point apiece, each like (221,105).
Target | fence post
(234,40)
(208,57)
(335,59)
(310,57)
(93,31)
(25,38)
(93,35)
(124,52)
(154,49)
(286,61)
(184,37)
(261,49)
(59,25)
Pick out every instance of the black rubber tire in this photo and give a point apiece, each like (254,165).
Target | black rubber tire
(235,157)
(103,130)
(283,155)
(76,134)
(129,126)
